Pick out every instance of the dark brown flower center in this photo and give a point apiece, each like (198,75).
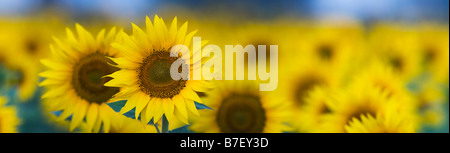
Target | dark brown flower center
(240,113)
(430,55)
(88,78)
(397,63)
(154,76)
(326,52)
(31,46)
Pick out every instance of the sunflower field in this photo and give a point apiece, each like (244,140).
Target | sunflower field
(343,66)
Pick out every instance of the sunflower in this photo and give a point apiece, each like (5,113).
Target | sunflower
(298,78)
(145,76)
(383,77)
(358,101)
(335,45)
(74,78)
(8,119)
(32,39)
(430,104)
(27,76)
(239,107)
(434,50)
(398,47)
(23,67)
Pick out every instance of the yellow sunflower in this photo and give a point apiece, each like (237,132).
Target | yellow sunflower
(74,78)
(434,51)
(383,77)
(332,44)
(351,104)
(396,46)
(27,76)
(8,119)
(145,73)
(32,39)
(430,104)
(239,107)
(298,78)
(24,67)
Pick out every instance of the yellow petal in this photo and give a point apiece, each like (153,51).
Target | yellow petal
(168,107)
(56,65)
(180,106)
(200,86)
(173,30)
(150,109)
(55,92)
(181,34)
(106,117)
(188,93)
(122,78)
(141,38)
(123,63)
(191,106)
(158,110)
(78,114)
(92,115)
(130,104)
(143,100)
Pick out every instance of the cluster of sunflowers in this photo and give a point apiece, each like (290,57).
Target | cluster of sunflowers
(344,77)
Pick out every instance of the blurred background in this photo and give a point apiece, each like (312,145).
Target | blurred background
(29,25)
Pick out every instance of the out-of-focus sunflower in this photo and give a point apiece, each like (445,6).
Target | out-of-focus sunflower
(398,47)
(32,39)
(145,73)
(430,104)
(310,115)
(74,78)
(389,123)
(24,68)
(383,77)
(356,101)
(335,45)
(239,107)
(8,119)
(299,78)
(434,51)
(27,76)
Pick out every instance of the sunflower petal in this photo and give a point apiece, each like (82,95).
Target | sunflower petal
(92,115)
(168,108)
(78,115)
(191,106)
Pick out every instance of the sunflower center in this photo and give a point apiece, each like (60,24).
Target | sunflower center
(154,76)
(88,78)
(430,55)
(303,88)
(325,52)
(325,109)
(31,46)
(241,114)
(397,63)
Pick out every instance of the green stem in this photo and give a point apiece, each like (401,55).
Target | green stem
(164,125)
(157,128)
